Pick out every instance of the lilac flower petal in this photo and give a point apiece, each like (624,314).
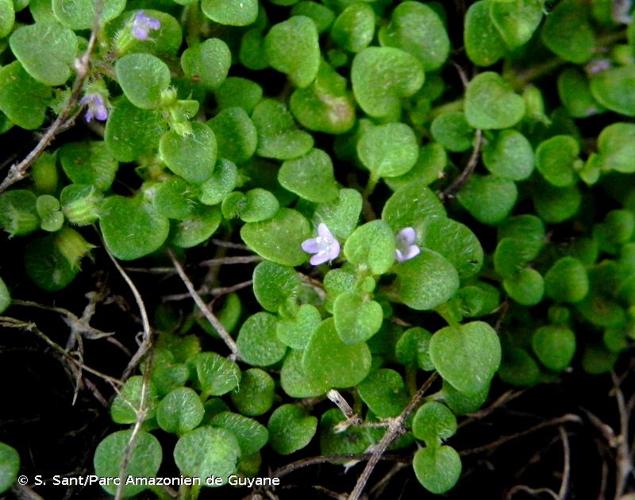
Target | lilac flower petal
(101,113)
(140,33)
(319,258)
(89,115)
(153,24)
(408,235)
(311,245)
(412,252)
(323,231)
(333,250)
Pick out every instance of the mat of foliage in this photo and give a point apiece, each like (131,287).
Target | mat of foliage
(245,239)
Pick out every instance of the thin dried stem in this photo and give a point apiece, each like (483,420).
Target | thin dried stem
(464,176)
(213,320)
(395,429)
(566,469)
(18,171)
(568,418)
(144,348)
(331,459)
(228,261)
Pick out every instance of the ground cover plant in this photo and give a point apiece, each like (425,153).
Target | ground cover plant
(261,236)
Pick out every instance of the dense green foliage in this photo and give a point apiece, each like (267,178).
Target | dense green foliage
(330,138)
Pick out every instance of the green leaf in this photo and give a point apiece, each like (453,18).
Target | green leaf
(452,131)
(5,298)
(235,133)
(433,422)
(7,20)
(222,182)
(568,33)
(51,217)
(127,403)
(616,147)
(290,429)
(516,21)
(467,356)
(488,198)
(23,99)
(310,177)
(356,318)
(274,284)
(18,212)
(143,78)
(180,411)
(53,262)
(430,165)
(143,461)
(388,150)
(46,51)
(81,14)
(384,392)
(321,15)
(131,132)
(554,204)
(207,451)
(296,331)
(519,368)
(89,163)
(164,42)
(463,403)
(341,216)
(557,159)
(330,363)
(412,348)
(257,340)
(509,156)
(456,242)
(197,228)
(9,466)
(279,239)
(251,435)
(382,76)
(437,469)
(254,396)
(292,47)
(325,105)
(335,441)
(490,103)
(567,280)
(207,62)
(131,227)
(173,198)
(294,380)
(613,89)
(410,206)
(483,42)
(554,346)
(191,156)
(418,29)
(278,136)
(354,28)
(575,94)
(526,286)
(426,281)
(230,13)
(216,375)
(371,246)
(238,92)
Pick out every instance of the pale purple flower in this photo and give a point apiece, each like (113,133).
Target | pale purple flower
(96,107)
(406,245)
(597,66)
(325,246)
(142,24)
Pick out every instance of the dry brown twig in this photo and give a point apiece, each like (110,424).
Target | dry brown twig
(213,320)
(449,192)
(64,120)
(395,429)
